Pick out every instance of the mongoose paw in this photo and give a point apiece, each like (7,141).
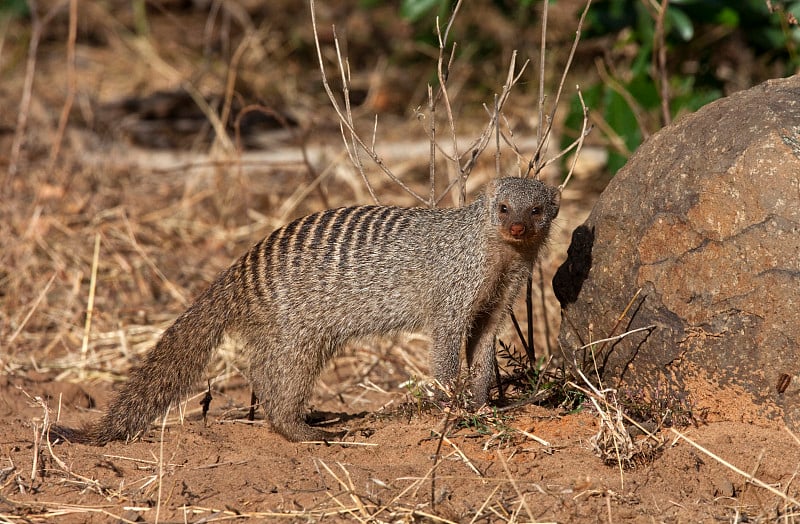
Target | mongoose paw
(320,435)
(301,432)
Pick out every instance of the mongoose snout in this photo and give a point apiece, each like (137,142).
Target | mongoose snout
(299,295)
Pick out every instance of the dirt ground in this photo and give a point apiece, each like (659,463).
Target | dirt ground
(110,225)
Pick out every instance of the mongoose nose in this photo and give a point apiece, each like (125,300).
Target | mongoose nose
(517,229)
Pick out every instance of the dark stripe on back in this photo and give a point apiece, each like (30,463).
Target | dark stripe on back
(338,229)
(259,266)
(299,246)
(337,226)
(387,224)
(376,226)
(322,226)
(360,214)
(287,232)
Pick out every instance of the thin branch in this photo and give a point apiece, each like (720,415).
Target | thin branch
(483,140)
(90,303)
(71,82)
(37,26)
(579,143)
(495,120)
(433,147)
(660,62)
(350,142)
(442,76)
(616,337)
(542,61)
(533,164)
(343,119)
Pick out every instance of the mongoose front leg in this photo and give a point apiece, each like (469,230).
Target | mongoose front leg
(445,357)
(480,356)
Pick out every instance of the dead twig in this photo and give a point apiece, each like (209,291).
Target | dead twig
(71,82)
(37,26)
(544,138)
(355,143)
(747,476)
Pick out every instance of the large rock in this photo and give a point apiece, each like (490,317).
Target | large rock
(705,221)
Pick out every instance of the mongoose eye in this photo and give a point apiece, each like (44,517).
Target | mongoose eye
(503,208)
(536,211)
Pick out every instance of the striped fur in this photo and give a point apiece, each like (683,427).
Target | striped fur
(303,292)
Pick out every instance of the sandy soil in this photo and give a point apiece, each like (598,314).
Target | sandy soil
(168,219)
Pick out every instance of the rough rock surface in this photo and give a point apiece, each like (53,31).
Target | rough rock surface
(704,224)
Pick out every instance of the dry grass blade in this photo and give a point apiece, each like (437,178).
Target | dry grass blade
(71,82)
(617,337)
(150,54)
(33,307)
(160,472)
(533,437)
(90,302)
(461,454)
(43,436)
(173,289)
(479,513)
(617,432)
(37,26)
(612,443)
(747,476)
(348,488)
(578,143)
(522,502)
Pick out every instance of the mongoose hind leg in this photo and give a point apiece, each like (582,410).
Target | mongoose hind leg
(287,415)
(283,381)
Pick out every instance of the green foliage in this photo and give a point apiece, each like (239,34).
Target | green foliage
(414,10)
(485,424)
(13,8)
(539,381)
(697,34)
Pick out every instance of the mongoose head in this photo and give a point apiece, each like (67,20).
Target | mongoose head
(522,210)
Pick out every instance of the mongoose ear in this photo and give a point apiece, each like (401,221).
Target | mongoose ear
(555,200)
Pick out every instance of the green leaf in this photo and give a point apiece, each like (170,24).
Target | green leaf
(413,10)
(680,22)
(728,17)
(621,119)
(13,8)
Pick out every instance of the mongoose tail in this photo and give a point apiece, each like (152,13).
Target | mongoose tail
(170,369)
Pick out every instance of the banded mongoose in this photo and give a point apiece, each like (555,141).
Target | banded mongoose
(300,294)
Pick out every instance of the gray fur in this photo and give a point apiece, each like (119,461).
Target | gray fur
(300,294)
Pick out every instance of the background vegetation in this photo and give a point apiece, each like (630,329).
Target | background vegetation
(654,60)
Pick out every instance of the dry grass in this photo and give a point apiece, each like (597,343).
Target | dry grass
(99,256)
(90,250)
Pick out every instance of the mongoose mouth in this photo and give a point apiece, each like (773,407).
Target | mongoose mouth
(517,230)
(524,237)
